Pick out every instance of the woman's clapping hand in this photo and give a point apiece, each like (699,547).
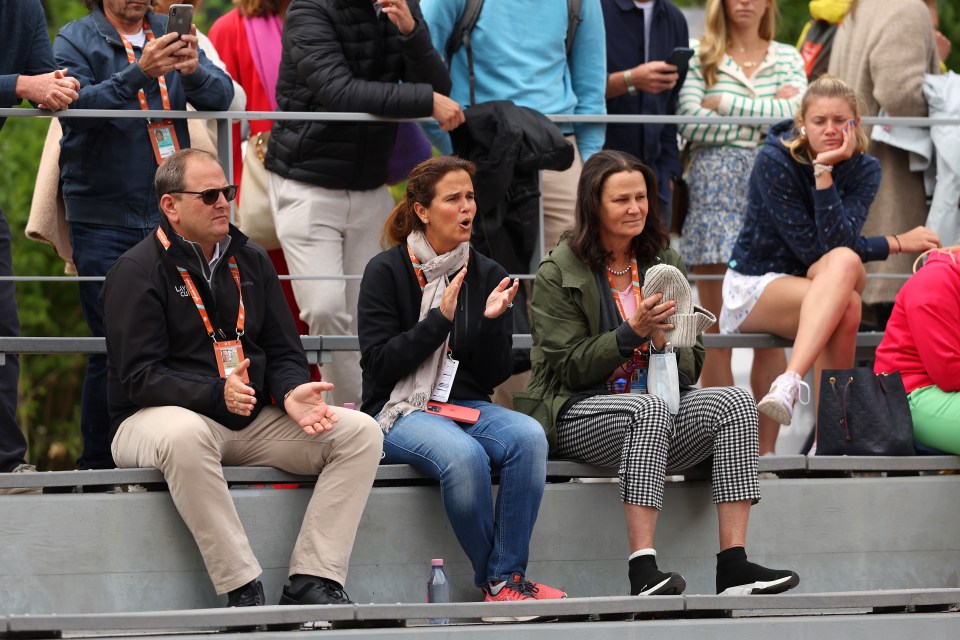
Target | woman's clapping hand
(501,298)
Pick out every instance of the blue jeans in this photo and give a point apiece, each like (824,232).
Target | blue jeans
(95,249)
(511,444)
(13,446)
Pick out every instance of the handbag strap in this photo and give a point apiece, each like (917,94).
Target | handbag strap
(842,401)
(258,146)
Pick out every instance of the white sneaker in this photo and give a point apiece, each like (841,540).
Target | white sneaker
(23,468)
(783,394)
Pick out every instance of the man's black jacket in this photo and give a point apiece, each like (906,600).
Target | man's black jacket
(158,351)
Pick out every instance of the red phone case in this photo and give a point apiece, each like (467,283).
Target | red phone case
(454,412)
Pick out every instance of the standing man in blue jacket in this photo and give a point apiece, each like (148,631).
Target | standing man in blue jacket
(640,37)
(27,71)
(124,59)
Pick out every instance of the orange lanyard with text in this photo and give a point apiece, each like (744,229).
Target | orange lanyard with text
(195,294)
(639,359)
(635,281)
(164,96)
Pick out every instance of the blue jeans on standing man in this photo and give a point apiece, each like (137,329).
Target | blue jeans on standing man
(13,446)
(95,249)
(512,445)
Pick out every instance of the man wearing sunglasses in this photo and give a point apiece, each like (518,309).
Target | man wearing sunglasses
(205,368)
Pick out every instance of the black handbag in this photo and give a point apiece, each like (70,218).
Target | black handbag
(862,413)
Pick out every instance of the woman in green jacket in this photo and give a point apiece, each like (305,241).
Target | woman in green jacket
(589,316)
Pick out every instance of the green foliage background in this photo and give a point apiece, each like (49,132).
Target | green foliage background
(50,385)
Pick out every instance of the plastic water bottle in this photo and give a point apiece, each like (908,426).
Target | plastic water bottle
(438,588)
(350,405)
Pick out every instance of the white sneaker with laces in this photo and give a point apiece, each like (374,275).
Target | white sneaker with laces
(23,468)
(783,394)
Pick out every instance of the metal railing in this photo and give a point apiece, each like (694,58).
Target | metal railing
(225,138)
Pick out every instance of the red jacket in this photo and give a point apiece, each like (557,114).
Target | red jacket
(229,37)
(922,339)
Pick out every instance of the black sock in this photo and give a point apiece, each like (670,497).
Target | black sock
(733,569)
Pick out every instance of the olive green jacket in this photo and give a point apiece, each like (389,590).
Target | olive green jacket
(571,355)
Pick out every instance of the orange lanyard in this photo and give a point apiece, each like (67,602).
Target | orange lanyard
(635,280)
(639,355)
(418,268)
(164,96)
(195,294)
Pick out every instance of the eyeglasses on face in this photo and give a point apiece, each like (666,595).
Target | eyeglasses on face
(210,196)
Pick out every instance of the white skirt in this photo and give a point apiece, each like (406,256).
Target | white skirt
(740,295)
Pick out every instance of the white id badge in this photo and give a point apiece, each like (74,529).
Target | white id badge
(442,392)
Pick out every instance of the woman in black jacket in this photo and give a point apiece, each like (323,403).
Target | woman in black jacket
(434,323)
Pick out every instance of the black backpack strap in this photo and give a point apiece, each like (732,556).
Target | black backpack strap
(573,21)
(460,37)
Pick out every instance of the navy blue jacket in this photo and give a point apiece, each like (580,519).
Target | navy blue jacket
(24,47)
(654,144)
(107,165)
(790,224)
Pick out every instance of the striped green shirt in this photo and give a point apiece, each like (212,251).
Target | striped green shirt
(741,96)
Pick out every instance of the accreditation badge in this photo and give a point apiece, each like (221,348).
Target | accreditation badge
(163,137)
(229,354)
(442,391)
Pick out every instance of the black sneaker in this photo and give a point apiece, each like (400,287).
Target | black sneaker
(313,590)
(249,595)
(737,576)
(647,580)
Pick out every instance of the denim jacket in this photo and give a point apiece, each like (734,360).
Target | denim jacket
(107,164)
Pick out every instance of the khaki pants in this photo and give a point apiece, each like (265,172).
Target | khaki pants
(190,450)
(326,232)
(559,199)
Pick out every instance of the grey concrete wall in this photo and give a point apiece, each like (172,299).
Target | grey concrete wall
(127,552)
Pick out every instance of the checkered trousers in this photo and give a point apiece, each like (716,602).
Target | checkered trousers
(637,434)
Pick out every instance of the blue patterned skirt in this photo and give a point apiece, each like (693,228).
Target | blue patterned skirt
(718,179)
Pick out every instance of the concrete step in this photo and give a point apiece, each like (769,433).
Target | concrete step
(111,553)
(465,618)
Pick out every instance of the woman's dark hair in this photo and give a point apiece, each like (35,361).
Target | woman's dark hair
(584,238)
(421,188)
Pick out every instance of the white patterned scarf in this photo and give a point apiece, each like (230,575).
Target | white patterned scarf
(414,390)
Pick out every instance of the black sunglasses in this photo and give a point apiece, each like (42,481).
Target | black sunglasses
(210,196)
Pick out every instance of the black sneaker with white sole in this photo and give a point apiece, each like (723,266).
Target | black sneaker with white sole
(737,576)
(647,580)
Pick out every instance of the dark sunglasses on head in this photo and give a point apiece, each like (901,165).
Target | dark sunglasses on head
(210,196)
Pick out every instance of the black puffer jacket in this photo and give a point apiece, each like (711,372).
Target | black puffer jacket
(339,55)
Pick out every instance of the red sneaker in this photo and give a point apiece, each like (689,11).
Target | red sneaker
(546,592)
(516,589)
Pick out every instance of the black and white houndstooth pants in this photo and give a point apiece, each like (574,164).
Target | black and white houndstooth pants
(637,434)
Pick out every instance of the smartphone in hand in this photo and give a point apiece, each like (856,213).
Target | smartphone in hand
(679,58)
(180,18)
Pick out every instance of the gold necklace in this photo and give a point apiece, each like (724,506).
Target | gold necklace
(747,64)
